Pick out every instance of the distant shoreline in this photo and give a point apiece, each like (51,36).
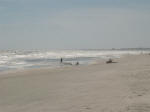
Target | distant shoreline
(136,48)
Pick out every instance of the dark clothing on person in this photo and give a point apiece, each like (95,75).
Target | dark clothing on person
(61,60)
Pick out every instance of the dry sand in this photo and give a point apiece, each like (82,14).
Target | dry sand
(117,87)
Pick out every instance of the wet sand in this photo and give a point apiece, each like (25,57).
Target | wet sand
(118,87)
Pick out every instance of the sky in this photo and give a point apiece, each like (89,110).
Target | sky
(74,24)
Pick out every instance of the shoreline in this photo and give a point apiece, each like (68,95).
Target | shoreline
(94,62)
(100,62)
(11,60)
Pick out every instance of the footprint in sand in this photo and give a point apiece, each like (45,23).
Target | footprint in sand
(85,108)
(139,108)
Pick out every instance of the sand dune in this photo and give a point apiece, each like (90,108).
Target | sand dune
(116,87)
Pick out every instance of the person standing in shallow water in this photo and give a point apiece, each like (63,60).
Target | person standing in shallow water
(77,63)
(61,60)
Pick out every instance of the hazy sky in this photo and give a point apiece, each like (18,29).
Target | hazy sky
(74,24)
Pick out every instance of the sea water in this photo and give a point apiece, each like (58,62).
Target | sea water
(10,60)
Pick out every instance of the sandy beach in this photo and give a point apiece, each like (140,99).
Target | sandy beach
(118,87)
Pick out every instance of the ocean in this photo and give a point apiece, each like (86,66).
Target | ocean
(11,60)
